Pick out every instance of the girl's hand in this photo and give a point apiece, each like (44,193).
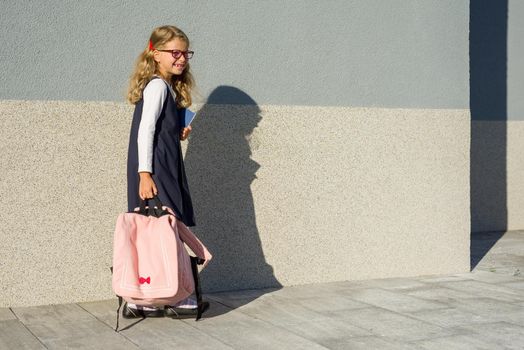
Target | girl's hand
(147,187)
(185,133)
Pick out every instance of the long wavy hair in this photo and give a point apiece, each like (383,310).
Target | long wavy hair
(146,67)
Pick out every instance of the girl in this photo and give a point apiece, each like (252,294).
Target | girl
(160,87)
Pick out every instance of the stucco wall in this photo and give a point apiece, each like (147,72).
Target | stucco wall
(368,193)
(332,141)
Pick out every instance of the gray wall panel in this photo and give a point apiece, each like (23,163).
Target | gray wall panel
(397,53)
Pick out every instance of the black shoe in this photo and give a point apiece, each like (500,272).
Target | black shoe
(129,312)
(180,312)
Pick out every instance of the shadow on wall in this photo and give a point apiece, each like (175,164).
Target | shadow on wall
(488,69)
(220,172)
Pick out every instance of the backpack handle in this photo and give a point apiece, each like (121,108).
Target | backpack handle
(156,211)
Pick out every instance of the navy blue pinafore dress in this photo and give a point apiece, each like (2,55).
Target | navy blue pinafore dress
(168,164)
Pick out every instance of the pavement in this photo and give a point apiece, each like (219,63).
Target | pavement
(483,309)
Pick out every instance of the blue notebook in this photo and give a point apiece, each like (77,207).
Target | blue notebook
(188,117)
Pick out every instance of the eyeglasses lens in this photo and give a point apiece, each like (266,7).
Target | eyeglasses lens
(187,54)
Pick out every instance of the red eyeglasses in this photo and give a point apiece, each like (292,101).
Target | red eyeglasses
(177,53)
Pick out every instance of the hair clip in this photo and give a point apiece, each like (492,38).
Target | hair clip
(151,48)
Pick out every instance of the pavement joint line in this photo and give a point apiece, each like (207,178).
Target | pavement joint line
(209,335)
(107,325)
(11,309)
(369,306)
(213,337)
(408,316)
(221,303)
(137,345)
(478,281)
(397,292)
(25,326)
(462,332)
(297,334)
(263,321)
(287,330)
(488,321)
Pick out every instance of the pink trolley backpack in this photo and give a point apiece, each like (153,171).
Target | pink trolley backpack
(151,266)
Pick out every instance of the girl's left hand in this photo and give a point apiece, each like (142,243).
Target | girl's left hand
(185,133)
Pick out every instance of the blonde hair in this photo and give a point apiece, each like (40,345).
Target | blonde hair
(146,67)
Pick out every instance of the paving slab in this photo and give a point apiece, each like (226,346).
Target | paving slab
(329,302)
(154,333)
(14,335)
(104,311)
(298,319)
(241,331)
(441,294)
(280,313)
(519,286)
(385,323)
(6,314)
(445,278)
(483,309)
(162,333)
(58,334)
(51,313)
(325,306)
(521,304)
(502,335)
(91,342)
(388,283)
(483,289)
(449,317)
(324,330)
(493,309)
(493,277)
(369,343)
(237,299)
(311,290)
(456,342)
(501,260)
(69,326)
(393,301)
(517,271)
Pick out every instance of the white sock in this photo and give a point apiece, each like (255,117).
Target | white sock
(188,303)
(140,307)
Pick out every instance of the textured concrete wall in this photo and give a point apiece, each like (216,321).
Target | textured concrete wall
(395,53)
(515,175)
(488,179)
(288,187)
(515,122)
(497,175)
(367,192)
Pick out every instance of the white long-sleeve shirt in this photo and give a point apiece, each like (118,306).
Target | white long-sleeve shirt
(154,95)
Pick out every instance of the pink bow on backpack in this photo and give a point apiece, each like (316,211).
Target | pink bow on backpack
(143,280)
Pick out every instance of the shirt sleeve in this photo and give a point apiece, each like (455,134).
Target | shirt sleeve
(154,95)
